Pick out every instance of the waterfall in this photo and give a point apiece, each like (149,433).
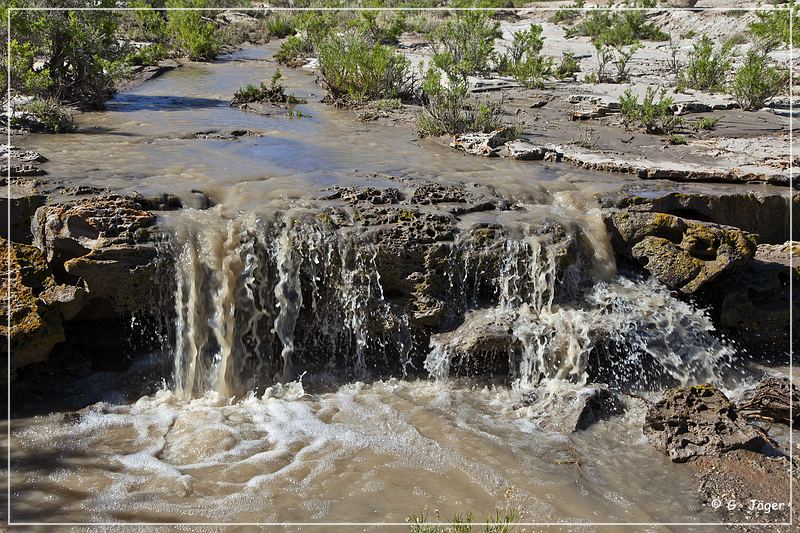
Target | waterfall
(555,325)
(263,298)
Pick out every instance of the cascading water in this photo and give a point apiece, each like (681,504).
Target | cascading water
(260,299)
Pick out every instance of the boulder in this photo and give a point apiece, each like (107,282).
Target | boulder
(502,143)
(698,421)
(108,242)
(571,409)
(753,300)
(35,326)
(682,254)
(22,210)
(765,215)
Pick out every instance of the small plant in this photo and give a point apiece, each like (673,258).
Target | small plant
(568,15)
(585,138)
(675,139)
(772,27)
(293,51)
(380,27)
(274,93)
(502,520)
(280,27)
(705,124)
(654,115)
(568,67)
(708,66)
(523,60)
(147,55)
(192,33)
(756,81)
(464,45)
(351,68)
(49,114)
(447,110)
(613,53)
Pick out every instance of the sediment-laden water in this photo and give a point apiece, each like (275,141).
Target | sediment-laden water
(294,389)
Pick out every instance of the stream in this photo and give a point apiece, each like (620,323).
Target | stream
(232,425)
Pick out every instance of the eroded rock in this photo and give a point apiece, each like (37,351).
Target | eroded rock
(35,327)
(502,143)
(698,421)
(108,242)
(682,254)
(765,215)
(753,300)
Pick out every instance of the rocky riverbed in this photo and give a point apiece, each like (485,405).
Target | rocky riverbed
(278,260)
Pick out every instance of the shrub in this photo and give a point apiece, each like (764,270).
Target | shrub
(81,52)
(705,124)
(273,93)
(523,60)
(568,67)
(676,139)
(145,24)
(772,27)
(280,27)
(633,24)
(380,27)
(294,51)
(464,45)
(23,76)
(447,111)
(655,116)
(191,33)
(568,15)
(49,114)
(708,67)
(756,81)
(617,54)
(312,28)
(353,69)
(147,55)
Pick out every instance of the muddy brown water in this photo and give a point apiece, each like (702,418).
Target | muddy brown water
(337,452)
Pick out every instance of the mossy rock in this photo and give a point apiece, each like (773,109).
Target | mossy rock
(35,327)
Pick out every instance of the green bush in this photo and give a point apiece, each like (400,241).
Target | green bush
(280,27)
(380,27)
(772,27)
(568,15)
(147,55)
(352,69)
(274,93)
(616,53)
(523,60)
(49,114)
(294,51)
(145,24)
(705,124)
(464,44)
(756,81)
(194,35)
(654,115)
(447,110)
(23,77)
(312,28)
(708,66)
(632,24)
(568,67)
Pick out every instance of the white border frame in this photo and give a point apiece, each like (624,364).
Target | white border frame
(11,10)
